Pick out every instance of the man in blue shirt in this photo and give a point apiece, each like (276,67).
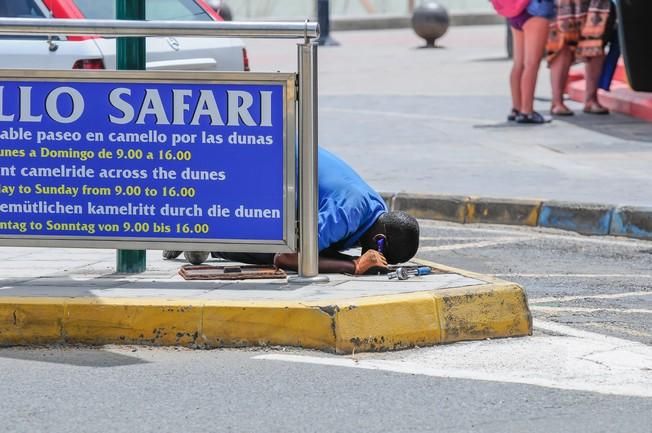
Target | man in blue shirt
(350,214)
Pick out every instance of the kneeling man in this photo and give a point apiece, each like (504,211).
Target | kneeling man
(351,214)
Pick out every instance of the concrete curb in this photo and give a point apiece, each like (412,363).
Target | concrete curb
(494,309)
(436,207)
(584,218)
(621,99)
(384,22)
(502,211)
(634,222)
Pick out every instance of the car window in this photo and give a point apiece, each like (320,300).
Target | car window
(177,10)
(21,9)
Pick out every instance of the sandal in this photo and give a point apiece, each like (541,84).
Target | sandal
(595,109)
(563,111)
(511,117)
(532,118)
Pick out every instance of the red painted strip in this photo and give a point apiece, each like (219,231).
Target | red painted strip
(209,10)
(66,9)
(620,99)
(621,73)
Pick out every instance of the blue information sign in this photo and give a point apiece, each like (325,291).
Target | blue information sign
(114,158)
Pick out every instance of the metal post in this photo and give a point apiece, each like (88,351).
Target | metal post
(131,54)
(308,190)
(323,16)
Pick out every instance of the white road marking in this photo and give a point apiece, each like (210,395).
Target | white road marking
(482,244)
(545,309)
(620,329)
(572,360)
(581,297)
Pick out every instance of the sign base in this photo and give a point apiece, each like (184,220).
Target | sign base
(317,279)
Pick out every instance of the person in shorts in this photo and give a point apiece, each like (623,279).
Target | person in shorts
(530,33)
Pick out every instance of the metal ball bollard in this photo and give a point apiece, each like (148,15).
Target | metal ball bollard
(430,21)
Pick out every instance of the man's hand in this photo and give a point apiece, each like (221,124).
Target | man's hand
(371,262)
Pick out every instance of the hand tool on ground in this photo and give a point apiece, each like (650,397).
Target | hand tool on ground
(404,273)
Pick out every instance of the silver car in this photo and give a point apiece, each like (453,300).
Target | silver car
(91,52)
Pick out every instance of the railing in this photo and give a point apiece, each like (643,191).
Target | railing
(271,30)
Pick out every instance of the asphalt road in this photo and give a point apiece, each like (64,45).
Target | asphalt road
(587,368)
(598,284)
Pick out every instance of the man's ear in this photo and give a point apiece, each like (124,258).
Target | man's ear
(367,240)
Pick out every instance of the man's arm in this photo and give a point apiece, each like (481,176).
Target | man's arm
(371,262)
(327,265)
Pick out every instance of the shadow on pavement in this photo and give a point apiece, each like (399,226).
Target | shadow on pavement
(614,125)
(82,357)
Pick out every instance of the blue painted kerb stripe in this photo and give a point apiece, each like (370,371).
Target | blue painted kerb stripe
(588,221)
(632,222)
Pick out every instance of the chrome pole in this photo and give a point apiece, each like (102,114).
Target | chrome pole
(135,28)
(308,190)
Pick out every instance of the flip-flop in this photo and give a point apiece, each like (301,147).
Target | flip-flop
(562,112)
(595,109)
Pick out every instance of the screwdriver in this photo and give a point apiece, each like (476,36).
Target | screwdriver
(405,273)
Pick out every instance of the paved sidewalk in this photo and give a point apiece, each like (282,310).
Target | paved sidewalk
(73,296)
(433,121)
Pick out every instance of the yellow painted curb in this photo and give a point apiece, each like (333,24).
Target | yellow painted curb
(107,321)
(387,323)
(495,309)
(503,211)
(30,321)
(264,324)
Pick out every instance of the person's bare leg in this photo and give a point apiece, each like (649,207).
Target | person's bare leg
(535,34)
(517,69)
(368,6)
(559,69)
(593,71)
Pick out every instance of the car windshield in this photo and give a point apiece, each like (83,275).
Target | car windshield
(176,10)
(20,9)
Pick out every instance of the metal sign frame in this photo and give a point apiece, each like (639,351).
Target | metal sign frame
(307,95)
(287,80)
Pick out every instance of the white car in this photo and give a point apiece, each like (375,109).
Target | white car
(91,52)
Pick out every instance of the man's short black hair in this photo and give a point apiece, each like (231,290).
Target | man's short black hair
(402,236)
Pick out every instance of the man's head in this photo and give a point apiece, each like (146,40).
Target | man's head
(401,236)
